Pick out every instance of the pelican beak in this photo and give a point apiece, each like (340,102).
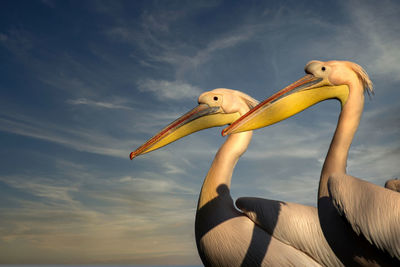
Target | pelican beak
(291,100)
(201,117)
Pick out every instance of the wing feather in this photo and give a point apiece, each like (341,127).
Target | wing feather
(294,224)
(371,210)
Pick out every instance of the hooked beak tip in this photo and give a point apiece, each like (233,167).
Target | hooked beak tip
(132,155)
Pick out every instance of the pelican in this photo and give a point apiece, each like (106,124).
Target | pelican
(360,220)
(393,184)
(285,234)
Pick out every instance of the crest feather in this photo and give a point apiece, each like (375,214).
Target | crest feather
(251,102)
(364,78)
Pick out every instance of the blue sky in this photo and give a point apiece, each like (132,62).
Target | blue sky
(83,83)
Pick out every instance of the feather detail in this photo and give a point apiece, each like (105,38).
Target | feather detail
(371,210)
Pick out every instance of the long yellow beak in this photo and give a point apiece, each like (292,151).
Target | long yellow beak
(201,117)
(291,100)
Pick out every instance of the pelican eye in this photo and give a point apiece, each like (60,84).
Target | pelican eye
(323,68)
(215,98)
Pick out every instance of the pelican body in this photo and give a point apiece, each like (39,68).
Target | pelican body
(266,232)
(360,220)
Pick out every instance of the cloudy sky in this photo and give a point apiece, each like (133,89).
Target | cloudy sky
(83,83)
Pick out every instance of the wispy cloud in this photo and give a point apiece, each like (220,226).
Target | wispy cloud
(49,3)
(78,139)
(154,185)
(18,41)
(230,40)
(182,55)
(107,238)
(300,188)
(62,223)
(169,90)
(290,140)
(379,24)
(375,163)
(42,187)
(98,104)
(3,37)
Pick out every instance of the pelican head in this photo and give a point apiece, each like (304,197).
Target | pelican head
(324,80)
(216,108)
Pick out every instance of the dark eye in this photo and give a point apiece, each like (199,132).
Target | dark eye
(323,69)
(215,98)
